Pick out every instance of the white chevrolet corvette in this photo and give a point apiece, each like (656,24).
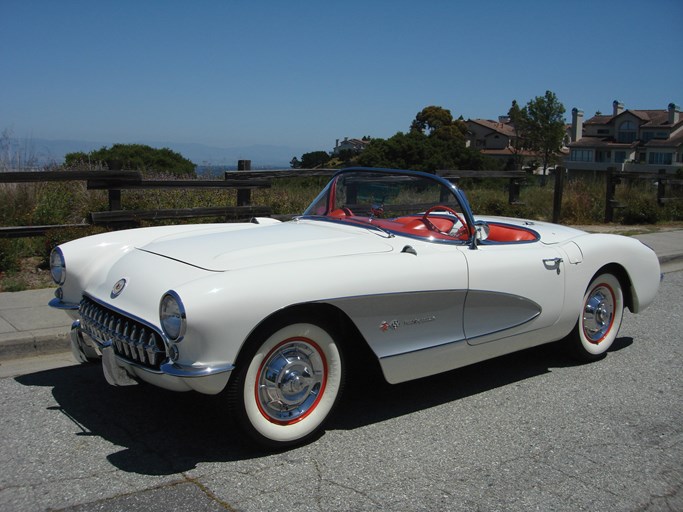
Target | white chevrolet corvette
(389,263)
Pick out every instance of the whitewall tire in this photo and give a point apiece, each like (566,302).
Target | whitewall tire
(288,384)
(602,311)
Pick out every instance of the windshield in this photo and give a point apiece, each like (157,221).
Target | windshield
(401,202)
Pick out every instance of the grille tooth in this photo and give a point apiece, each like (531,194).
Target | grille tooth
(140,345)
(150,349)
(130,349)
(117,334)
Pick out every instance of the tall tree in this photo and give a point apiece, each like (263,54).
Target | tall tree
(518,121)
(545,127)
(430,119)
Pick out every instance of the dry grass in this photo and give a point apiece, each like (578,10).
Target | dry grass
(70,202)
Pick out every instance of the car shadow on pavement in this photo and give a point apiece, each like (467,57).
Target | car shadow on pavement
(165,433)
(384,401)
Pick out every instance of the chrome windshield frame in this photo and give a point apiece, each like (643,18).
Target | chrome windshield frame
(327,194)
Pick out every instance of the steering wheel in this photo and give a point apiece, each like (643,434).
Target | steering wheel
(430,224)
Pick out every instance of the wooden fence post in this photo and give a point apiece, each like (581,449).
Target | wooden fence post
(513,191)
(557,196)
(243,194)
(661,186)
(611,182)
(114,199)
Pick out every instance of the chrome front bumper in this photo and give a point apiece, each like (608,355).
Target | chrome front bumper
(122,372)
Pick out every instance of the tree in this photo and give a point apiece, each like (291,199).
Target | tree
(135,157)
(518,121)
(435,141)
(415,150)
(430,119)
(545,127)
(314,159)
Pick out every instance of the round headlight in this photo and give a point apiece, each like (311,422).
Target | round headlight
(172,316)
(57,266)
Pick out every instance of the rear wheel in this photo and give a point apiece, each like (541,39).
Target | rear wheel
(287,384)
(601,313)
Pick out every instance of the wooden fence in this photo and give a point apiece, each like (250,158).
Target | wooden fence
(243,181)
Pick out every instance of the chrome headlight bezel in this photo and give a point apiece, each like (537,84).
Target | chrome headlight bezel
(172,316)
(57,266)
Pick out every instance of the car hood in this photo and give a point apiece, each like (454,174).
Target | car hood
(263,245)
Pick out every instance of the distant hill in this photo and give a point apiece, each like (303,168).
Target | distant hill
(261,155)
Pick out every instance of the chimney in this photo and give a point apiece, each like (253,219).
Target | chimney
(577,124)
(617,108)
(674,113)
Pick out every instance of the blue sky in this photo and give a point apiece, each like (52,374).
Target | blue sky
(304,73)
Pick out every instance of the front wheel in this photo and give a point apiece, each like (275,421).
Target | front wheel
(601,313)
(287,384)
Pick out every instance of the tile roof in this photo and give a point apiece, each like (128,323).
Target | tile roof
(601,142)
(506,129)
(671,142)
(650,118)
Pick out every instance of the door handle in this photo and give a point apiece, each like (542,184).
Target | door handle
(553,264)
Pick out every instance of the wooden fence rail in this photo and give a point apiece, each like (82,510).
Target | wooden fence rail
(243,181)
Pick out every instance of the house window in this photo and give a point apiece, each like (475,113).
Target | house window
(603,131)
(582,155)
(645,136)
(602,156)
(619,157)
(627,132)
(660,158)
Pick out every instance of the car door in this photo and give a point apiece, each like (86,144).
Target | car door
(513,288)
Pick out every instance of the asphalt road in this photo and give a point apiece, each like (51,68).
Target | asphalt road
(530,431)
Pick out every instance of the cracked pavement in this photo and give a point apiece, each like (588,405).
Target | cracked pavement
(529,431)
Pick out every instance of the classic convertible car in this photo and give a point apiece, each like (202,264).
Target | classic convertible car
(388,263)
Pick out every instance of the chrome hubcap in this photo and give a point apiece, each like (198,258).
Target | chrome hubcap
(598,314)
(291,381)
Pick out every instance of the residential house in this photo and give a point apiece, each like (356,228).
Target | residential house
(628,140)
(355,145)
(497,139)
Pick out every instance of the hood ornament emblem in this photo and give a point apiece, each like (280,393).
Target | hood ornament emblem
(118,287)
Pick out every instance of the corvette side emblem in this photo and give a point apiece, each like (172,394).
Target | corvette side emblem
(385,326)
(118,288)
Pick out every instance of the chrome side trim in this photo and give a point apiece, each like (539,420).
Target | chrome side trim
(60,304)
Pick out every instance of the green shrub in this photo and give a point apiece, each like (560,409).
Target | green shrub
(640,211)
(9,256)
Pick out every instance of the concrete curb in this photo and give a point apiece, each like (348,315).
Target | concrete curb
(31,344)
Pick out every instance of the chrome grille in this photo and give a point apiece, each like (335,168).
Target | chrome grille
(131,339)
